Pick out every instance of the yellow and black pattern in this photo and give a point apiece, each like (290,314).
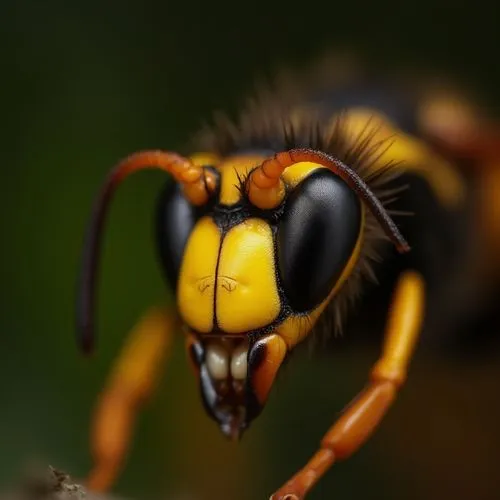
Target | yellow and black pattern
(239,260)
(275,223)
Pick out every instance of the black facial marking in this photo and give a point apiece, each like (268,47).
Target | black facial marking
(227,217)
(316,237)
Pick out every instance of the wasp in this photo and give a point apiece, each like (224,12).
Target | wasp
(270,228)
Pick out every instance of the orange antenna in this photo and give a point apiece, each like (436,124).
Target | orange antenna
(198,184)
(266,188)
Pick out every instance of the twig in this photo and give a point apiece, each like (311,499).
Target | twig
(51,484)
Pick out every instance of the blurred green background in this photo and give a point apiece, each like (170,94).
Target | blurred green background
(85,83)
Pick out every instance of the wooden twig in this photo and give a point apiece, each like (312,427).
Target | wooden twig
(50,484)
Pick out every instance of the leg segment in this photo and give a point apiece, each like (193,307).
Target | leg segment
(131,382)
(363,415)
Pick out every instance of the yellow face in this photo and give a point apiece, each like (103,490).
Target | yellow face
(251,283)
(227,278)
(228,282)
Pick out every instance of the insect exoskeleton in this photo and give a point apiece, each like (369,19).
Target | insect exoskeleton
(256,265)
(259,245)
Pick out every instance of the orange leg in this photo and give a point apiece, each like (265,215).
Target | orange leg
(131,382)
(363,415)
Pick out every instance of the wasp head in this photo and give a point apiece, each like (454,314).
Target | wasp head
(252,278)
(255,247)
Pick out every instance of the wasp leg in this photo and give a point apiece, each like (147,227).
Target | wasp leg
(130,384)
(362,416)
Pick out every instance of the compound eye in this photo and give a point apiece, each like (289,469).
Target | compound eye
(175,219)
(316,237)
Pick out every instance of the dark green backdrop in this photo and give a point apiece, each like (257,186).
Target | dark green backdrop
(84,83)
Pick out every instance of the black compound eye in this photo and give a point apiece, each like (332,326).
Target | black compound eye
(316,238)
(175,219)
